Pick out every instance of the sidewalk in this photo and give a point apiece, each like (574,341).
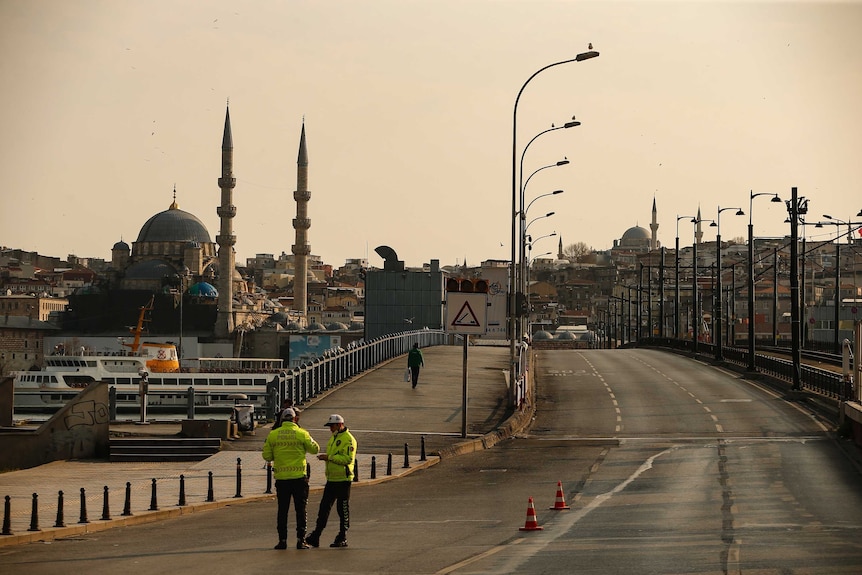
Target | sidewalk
(390,420)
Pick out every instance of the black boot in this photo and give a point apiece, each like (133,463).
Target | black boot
(301,544)
(282,544)
(340,540)
(313,539)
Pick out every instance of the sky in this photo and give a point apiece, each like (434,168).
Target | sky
(409,111)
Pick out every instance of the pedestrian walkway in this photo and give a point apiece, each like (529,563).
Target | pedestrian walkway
(395,425)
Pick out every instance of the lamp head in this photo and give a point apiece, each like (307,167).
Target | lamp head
(740,212)
(571,124)
(555,192)
(586,55)
(562,162)
(775,199)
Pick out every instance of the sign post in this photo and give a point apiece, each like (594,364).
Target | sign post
(466,314)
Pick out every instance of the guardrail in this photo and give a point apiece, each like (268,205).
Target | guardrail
(338,365)
(824,382)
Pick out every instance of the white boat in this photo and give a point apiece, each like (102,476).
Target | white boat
(212,380)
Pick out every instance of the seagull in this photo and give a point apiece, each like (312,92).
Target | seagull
(406,320)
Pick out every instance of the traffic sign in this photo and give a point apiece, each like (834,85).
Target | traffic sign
(466,312)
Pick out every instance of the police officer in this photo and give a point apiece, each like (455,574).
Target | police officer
(340,458)
(286,447)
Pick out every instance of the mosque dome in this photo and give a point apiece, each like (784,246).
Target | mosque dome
(336,326)
(150,270)
(279,317)
(174,225)
(565,335)
(542,335)
(203,289)
(636,233)
(121,245)
(314,326)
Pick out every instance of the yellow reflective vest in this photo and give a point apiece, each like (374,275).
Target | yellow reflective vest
(286,447)
(341,456)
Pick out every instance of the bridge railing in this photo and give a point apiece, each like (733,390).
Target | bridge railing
(824,382)
(336,366)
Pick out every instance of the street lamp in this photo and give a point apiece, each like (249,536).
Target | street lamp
(524,213)
(580,57)
(837,320)
(696,313)
(719,356)
(796,207)
(676,280)
(752,367)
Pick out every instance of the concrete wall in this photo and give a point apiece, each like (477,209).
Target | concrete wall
(78,431)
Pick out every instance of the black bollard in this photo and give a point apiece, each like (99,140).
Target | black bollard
(127,506)
(83,517)
(60,519)
(182,501)
(106,508)
(269,477)
(406,457)
(210,495)
(34,514)
(7,516)
(422,449)
(373,467)
(190,402)
(154,503)
(389,465)
(238,477)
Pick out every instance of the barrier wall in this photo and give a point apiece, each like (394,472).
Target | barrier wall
(78,431)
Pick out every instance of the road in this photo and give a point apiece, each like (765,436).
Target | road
(668,465)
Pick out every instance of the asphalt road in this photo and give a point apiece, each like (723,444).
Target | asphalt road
(668,465)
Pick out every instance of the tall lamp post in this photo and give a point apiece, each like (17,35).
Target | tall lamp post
(719,355)
(837,319)
(512,285)
(523,237)
(676,278)
(796,207)
(752,367)
(697,317)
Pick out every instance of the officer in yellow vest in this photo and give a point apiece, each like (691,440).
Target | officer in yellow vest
(286,447)
(340,458)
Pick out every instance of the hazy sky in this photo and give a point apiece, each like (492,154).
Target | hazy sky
(106,105)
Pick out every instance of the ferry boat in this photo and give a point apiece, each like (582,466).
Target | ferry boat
(215,381)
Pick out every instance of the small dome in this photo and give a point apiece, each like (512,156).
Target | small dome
(292,326)
(121,245)
(203,289)
(314,326)
(356,326)
(542,335)
(278,317)
(565,335)
(637,233)
(336,326)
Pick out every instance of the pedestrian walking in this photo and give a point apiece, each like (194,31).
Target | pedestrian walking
(340,458)
(284,405)
(286,447)
(415,361)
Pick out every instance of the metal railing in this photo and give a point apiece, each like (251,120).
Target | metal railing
(336,366)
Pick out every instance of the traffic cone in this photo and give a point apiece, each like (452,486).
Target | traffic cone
(560,503)
(531,524)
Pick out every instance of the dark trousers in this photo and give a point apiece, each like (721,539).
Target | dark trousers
(414,371)
(335,492)
(285,489)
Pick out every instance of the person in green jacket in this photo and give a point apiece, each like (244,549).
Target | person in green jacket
(286,447)
(340,458)
(414,362)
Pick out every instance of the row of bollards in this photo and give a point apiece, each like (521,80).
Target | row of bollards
(154,506)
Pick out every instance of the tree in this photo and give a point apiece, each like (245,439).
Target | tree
(576,250)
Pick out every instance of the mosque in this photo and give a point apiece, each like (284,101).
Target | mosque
(175,261)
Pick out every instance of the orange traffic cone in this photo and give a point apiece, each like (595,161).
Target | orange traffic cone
(561,501)
(531,524)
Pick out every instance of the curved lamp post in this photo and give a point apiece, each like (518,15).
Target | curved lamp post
(676,278)
(752,367)
(696,314)
(579,58)
(719,355)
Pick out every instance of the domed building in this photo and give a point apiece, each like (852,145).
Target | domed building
(167,243)
(636,240)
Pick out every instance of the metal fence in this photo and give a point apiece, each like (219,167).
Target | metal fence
(340,364)
(824,382)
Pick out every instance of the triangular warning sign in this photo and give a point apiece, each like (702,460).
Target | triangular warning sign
(465,317)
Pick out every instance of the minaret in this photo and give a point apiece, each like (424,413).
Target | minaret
(698,232)
(301,223)
(224,326)
(560,249)
(653,242)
